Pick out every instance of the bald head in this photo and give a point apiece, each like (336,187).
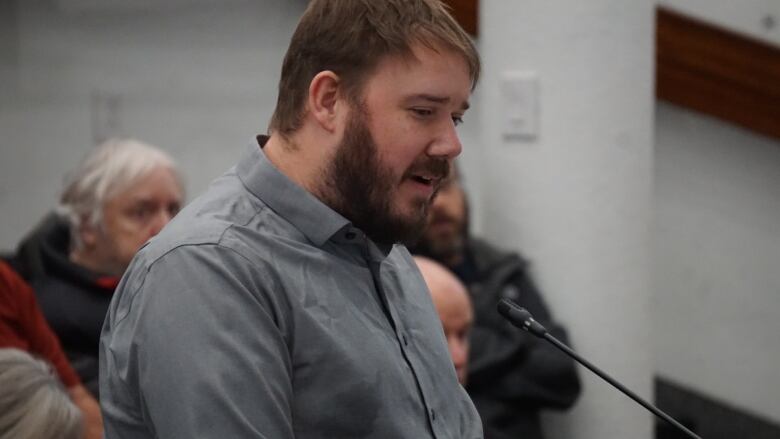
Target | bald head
(454,308)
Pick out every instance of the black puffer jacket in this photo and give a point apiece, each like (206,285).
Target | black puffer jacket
(512,374)
(73,299)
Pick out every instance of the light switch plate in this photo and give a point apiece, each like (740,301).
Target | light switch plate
(519,96)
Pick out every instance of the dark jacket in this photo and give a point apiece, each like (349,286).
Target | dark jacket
(73,299)
(512,374)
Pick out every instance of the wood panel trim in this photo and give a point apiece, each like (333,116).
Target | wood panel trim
(467,14)
(717,72)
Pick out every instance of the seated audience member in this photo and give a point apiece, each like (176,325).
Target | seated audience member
(121,195)
(22,326)
(512,374)
(454,308)
(33,403)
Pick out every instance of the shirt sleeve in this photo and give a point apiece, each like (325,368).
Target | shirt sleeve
(22,325)
(197,341)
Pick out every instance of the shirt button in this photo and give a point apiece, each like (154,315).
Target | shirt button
(433,415)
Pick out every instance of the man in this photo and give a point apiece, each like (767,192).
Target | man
(279,304)
(512,375)
(120,195)
(454,308)
(22,326)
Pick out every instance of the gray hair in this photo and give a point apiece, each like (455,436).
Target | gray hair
(107,170)
(33,402)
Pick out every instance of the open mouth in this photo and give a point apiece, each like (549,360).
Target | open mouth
(423,180)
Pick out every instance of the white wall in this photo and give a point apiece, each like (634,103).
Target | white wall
(717,248)
(198,80)
(576,200)
(717,239)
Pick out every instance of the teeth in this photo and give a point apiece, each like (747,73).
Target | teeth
(424,180)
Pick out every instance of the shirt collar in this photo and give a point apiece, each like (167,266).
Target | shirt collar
(304,211)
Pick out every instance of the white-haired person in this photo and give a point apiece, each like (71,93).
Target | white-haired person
(33,402)
(119,196)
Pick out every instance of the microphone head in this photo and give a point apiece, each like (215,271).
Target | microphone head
(512,311)
(520,317)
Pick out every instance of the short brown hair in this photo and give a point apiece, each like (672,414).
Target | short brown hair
(350,37)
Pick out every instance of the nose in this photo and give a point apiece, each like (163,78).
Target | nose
(459,351)
(447,145)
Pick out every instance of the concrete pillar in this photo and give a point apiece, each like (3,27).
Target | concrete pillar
(576,198)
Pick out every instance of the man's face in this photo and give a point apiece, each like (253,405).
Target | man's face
(398,144)
(133,216)
(445,232)
(456,316)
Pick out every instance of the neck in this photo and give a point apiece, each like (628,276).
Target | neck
(300,159)
(453,260)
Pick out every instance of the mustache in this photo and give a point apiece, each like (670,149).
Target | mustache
(437,168)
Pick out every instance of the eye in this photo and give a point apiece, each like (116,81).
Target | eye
(422,112)
(173,209)
(140,212)
(457,120)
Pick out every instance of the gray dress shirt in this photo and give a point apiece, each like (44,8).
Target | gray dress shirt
(259,312)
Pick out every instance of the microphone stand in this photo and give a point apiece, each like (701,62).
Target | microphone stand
(522,319)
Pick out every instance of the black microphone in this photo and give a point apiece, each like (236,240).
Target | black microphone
(524,320)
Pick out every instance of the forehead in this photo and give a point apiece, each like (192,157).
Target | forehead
(440,74)
(455,312)
(160,182)
(451,299)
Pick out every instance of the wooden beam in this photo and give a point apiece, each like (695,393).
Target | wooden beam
(466,12)
(718,72)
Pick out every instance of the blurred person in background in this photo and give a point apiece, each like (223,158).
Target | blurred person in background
(119,196)
(33,402)
(22,326)
(453,305)
(512,375)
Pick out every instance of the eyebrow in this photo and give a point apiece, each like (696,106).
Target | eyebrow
(437,99)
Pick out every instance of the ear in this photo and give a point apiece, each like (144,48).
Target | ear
(325,96)
(88,233)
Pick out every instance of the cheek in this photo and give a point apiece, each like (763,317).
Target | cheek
(399,149)
(132,234)
(455,207)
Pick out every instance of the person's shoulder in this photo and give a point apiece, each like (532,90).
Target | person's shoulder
(7,274)
(11,284)
(209,220)
(202,244)
(490,251)
(181,235)
(487,255)
(49,238)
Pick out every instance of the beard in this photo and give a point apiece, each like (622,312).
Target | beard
(447,248)
(361,189)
